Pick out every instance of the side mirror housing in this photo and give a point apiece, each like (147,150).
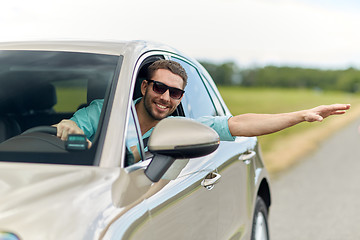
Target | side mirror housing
(172,139)
(178,138)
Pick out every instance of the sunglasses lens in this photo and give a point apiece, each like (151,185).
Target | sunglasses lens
(175,93)
(159,87)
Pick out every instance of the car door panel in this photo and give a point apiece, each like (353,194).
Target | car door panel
(184,204)
(207,214)
(235,207)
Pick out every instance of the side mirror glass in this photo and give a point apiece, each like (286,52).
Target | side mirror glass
(175,138)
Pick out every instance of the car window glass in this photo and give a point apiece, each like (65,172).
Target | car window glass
(196,101)
(31,75)
(214,98)
(133,146)
(41,88)
(71,95)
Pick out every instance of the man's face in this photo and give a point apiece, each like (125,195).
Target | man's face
(159,106)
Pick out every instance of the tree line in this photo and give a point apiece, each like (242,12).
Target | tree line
(229,73)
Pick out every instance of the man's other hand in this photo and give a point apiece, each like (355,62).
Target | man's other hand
(66,127)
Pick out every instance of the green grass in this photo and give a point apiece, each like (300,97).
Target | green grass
(259,100)
(69,99)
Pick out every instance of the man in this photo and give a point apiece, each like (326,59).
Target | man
(162,92)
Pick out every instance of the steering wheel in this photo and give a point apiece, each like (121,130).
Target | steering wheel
(44,129)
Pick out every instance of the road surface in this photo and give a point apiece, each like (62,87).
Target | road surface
(319,198)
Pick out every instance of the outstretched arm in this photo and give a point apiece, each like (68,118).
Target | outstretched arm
(251,124)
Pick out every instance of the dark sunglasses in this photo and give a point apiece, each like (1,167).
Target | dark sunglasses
(161,88)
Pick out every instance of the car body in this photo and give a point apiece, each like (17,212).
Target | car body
(49,189)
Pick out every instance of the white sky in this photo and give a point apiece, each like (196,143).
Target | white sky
(312,33)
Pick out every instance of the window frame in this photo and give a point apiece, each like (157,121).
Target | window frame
(144,59)
(133,115)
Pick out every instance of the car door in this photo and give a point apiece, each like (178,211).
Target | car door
(180,202)
(179,206)
(233,160)
(184,209)
(171,207)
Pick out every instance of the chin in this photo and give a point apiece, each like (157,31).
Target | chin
(158,116)
(161,116)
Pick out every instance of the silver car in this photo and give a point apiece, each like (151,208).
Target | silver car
(189,185)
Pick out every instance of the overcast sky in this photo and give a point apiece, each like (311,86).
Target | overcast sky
(310,33)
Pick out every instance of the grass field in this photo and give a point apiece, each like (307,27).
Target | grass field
(257,100)
(69,99)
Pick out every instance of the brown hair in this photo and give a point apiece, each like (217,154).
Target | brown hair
(172,66)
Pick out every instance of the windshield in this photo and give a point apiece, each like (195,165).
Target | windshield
(40,88)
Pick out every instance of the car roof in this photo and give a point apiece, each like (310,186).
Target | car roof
(101,47)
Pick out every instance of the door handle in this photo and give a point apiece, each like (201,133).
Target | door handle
(210,180)
(247,156)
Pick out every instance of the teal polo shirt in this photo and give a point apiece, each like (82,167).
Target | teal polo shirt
(87,119)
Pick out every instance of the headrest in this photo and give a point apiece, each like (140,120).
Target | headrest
(142,74)
(42,97)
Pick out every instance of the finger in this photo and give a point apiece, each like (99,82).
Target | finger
(64,136)
(338,112)
(89,143)
(340,107)
(319,118)
(59,132)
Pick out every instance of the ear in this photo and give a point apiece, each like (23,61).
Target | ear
(144,85)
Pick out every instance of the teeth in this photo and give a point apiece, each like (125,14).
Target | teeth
(160,106)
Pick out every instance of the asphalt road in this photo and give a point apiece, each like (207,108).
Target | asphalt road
(319,198)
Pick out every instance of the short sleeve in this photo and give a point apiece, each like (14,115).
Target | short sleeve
(87,118)
(219,124)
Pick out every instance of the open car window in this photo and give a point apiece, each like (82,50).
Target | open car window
(196,101)
(40,88)
(136,146)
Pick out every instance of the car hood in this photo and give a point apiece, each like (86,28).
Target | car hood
(39,201)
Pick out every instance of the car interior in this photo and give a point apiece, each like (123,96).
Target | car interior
(33,107)
(28,108)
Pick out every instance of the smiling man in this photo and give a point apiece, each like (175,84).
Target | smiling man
(162,93)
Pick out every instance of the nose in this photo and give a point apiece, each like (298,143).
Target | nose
(165,96)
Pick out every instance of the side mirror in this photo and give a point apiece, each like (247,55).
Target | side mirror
(172,139)
(175,138)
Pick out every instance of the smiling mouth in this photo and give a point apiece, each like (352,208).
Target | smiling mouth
(161,106)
